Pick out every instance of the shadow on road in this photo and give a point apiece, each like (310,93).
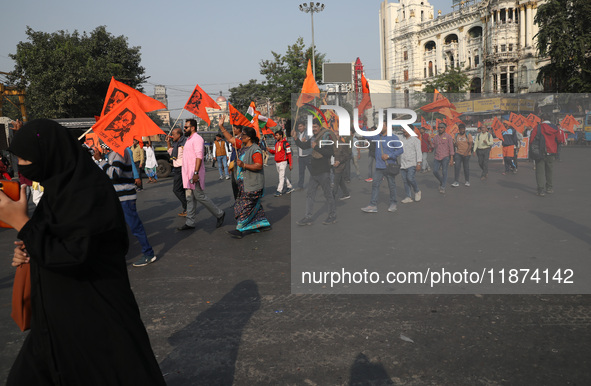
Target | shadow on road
(205,351)
(365,373)
(580,231)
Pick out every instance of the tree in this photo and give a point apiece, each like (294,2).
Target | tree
(243,94)
(565,37)
(285,74)
(67,75)
(452,81)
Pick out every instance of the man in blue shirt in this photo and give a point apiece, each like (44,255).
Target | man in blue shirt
(388,147)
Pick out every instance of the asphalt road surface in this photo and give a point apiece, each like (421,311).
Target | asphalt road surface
(221,311)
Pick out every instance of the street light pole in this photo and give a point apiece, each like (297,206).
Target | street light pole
(311,8)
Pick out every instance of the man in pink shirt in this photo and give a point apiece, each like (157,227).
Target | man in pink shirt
(443,144)
(193,171)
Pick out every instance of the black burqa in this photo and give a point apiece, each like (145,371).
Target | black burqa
(85,327)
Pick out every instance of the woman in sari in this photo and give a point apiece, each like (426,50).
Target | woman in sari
(248,209)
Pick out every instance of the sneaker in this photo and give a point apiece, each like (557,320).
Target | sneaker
(227,177)
(455,184)
(305,221)
(467,183)
(541,193)
(549,191)
(441,190)
(220,220)
(289,190)
(277,194)
(369,180)
(407,200)
(183,214)
(145,260)
(370,209)
(330,220)
(185,227)
(418,196)
(345,198)
(392,208)
(221,178)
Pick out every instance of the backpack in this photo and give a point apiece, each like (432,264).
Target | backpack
(537,147)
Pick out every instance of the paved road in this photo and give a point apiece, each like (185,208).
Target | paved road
(221,311)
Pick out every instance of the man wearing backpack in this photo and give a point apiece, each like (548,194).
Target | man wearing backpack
(463,144)
(482,146)
(543,151)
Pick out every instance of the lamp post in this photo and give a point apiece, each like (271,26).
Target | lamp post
(311,8)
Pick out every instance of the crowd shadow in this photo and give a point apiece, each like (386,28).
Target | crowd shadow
(205,351)
(365,373)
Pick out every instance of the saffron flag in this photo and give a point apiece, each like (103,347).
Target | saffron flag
(437,123)
(533,120)
(261,119)
(479,124)
(518,122)
(255,123)
(425,124)
(498,128)
(197,103)
(236,117)
(309,89)
(118,91)
(568,123)
(366,99)
(438,105)
(437,96)
(125,121)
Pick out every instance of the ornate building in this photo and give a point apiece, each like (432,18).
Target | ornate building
(492,41)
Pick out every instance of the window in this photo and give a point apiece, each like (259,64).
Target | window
(496,49)
(430,69)
(425,72)
(405,75)
(503,47)
(510,47)
(405,55)
(476,60)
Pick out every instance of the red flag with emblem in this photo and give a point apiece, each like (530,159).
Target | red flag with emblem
(498,128)
(236,117)
(117,92)
(125,121)
(533,120)
(568,123)
(425,124)
(437,96)
(197,103)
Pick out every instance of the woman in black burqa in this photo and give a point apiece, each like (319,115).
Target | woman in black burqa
(85,326)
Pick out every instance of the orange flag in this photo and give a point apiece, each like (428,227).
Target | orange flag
(498,128)
(309,89)
(533,120)
(426,125)
(366,100)
(437,96)
(518,122)
(122,123)
(118,91)
(437,122)
(197,103)
(479,125)
(438,105)
(568,123)
(236,117)
(255,123)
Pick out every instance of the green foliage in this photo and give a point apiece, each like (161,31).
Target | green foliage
(565,37)
(452,81)
(286,73)
(67,75)
(243,94)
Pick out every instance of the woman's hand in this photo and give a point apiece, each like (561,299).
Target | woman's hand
(240,163)
(14,213)
(20,254)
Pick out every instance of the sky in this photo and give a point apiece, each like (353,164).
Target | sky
(216,44)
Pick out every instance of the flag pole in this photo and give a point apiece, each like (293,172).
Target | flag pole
(175,122)
(86,132)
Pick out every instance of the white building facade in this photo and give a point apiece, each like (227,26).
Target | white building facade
(492,41)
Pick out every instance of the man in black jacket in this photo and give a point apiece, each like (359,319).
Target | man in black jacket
(320,166)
